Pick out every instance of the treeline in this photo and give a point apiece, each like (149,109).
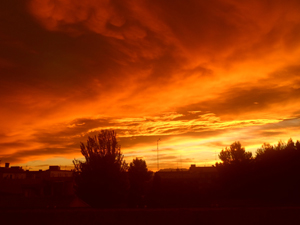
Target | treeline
(104,179)
(271,177)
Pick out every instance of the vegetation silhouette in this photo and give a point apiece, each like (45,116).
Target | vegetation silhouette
(139,176)
(276,169)
(268,179)
(235,154)
(101,180)
(233,171)
(104,179)
(180,192)
(271,178)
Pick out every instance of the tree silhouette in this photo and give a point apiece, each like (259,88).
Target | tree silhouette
(276,172)
(280,146)
(235,153)
(298,145)
(265,150)
(234,170)
(138,176)
(290,145)
(101,180)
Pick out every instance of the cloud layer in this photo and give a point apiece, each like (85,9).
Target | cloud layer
(197,74)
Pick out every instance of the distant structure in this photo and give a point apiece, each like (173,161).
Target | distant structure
(203,176)
(17,173)
(157,155)
(14,172)
(17,184)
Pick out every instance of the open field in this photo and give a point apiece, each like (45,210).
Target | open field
(239,216)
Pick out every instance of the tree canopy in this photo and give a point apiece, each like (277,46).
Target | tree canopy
(101,180)
(138,176)
(235,153)
(265,149)
(138,170)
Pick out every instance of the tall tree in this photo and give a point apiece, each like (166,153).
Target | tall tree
(234,170)
(101,179)
(138,176)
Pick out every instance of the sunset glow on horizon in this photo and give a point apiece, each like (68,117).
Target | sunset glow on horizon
(198,75)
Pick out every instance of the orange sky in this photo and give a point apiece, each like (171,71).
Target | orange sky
(199,75)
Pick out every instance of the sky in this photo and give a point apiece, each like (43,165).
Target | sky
(185,77)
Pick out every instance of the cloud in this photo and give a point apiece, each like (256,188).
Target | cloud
(197,74)
(138,136)
(30,155)
(14,144)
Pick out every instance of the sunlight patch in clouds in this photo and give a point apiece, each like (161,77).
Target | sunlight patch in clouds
(172,125)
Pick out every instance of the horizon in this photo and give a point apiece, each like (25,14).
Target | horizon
(197,75)
(178,167)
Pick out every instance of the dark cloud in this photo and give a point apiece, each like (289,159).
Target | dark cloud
(290,73)
(15,144)
(53,62)
(270,133)
(19,156)
(164,157)
(240,99)
(164,150)
(287,124)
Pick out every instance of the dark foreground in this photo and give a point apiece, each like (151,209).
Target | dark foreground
(220,216)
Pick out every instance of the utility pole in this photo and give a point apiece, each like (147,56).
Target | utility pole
(157,155)
(180,162)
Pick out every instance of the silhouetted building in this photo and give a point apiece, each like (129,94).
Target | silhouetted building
(14,172)
(183,188)
(17,184)
(203,176)
(37,189)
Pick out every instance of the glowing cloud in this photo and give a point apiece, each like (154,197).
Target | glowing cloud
(198,74)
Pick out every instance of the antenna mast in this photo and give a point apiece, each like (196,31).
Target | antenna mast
(157,155)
